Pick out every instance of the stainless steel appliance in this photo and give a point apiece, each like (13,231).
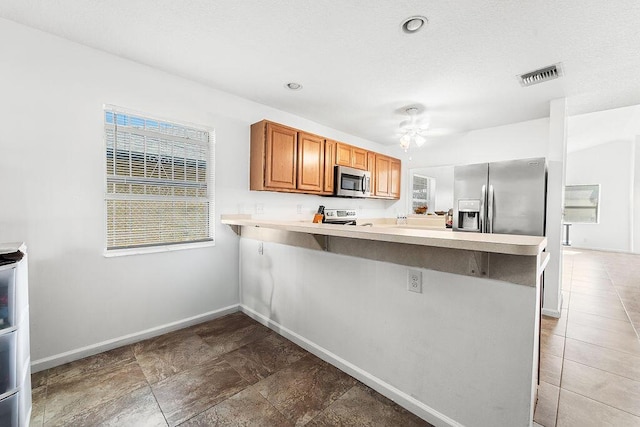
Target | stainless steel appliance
(501,197)
(350,182)
(340,216)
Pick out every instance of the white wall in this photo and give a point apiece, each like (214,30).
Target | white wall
(463,348)
(515,141)
(556,171)
(52,174)
(612,166)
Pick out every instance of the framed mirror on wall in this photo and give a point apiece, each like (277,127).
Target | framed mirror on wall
(430,190)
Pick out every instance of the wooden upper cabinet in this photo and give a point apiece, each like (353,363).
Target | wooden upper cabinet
(274,157)
(382,184)
(387,177)
(371,167)
(348,155)
(395,179)
(329,163)
(310,162)
(359,158)
(285,159)
(290,160)
(281,157)
(343,155)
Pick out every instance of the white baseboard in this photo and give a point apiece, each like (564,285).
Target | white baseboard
(598,249)
(551,312)
(406,401)
(90,350)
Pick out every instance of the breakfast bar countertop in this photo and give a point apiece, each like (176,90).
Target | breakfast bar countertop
(407,234)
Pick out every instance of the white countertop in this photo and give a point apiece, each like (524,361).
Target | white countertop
(495,243)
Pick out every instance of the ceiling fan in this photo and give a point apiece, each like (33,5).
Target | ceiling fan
(414,130)
(417,129)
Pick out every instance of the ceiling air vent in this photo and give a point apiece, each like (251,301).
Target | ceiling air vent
(541,75)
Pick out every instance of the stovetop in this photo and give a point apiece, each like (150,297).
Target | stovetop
(340,216)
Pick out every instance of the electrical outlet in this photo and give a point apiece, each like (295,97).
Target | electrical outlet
(414,281)
(260,248)
(259,208)
(299,208)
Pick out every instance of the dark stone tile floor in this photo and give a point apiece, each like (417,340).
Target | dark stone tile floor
(231,371)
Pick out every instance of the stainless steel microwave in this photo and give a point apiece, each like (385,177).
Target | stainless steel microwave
(350,182)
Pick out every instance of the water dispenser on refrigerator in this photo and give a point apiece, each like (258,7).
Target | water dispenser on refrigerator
(469,215)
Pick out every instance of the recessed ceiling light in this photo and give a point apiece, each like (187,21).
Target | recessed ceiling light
(413,24)
(293,86)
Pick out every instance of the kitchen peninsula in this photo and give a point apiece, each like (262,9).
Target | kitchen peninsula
(464,351)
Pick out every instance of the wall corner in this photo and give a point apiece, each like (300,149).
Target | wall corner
(556,162)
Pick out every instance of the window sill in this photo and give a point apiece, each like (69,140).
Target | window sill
(156,249)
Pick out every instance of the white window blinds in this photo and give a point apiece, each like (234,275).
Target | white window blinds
(158,182)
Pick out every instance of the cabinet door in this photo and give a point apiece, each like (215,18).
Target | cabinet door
(383,186)
(281,157)
(310,162)
(394,189)
(343,154)
(371,167)
(359,158)
(329,163)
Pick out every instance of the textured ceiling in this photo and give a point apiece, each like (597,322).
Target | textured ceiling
(359,70)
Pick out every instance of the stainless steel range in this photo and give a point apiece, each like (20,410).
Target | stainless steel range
(340,216)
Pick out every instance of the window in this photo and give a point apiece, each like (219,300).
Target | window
(581,203)
(158,182)
(423,193)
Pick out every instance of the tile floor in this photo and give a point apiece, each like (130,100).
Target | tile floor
(231,371)
(590,357)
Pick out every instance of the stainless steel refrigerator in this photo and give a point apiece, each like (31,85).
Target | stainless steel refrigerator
(501,197)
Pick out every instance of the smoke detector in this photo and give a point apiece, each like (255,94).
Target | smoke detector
(542,75)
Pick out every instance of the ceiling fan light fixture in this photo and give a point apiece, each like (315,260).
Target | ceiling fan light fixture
(405,141)
(412,129)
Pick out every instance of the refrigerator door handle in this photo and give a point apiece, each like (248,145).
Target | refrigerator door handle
(483,198)
(490,211)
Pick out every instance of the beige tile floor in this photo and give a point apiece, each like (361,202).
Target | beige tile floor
(590,357)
